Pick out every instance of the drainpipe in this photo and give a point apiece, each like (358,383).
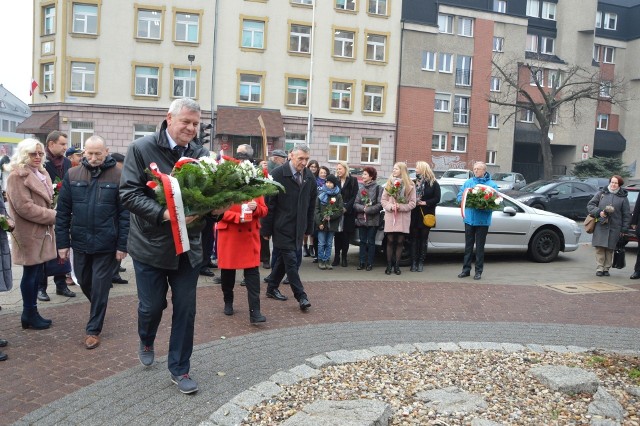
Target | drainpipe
(213,74)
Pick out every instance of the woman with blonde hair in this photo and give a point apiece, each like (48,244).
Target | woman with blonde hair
(349,190)
(30,194)
(398,199)
(427,198)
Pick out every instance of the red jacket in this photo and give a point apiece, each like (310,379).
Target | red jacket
(239,243)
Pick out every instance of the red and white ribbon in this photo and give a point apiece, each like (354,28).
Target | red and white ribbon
(466,191)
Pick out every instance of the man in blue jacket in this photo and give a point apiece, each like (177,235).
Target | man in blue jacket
(89,199)
(476,223)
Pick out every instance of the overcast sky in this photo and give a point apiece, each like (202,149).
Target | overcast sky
(16,36)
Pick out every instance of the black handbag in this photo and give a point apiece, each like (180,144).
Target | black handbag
(56,267)
(619,261)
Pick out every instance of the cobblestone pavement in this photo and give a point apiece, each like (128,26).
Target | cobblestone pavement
(50,378)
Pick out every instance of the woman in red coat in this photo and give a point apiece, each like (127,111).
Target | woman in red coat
(239,248)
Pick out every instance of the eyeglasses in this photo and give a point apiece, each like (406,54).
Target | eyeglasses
(36,154)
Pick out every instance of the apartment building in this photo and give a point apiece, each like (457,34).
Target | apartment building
(12,112)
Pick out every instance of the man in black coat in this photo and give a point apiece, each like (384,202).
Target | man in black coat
(290,218)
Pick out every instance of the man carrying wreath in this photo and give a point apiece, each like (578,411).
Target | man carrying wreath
(151,243)
(476,222)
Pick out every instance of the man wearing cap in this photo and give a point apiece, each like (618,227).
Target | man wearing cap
(74,155)
(278,158)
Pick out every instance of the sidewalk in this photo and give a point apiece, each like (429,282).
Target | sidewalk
(51,378)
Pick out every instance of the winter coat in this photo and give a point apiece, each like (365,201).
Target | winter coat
(400,221)
(370,212)
(239,242)
(150,239)
(290,215)
(91,218)
(607,234)
(635,218)
(53,173)
(477,217)
(320,213)
(431,196)
(30,207)
(6,276)
(349,191)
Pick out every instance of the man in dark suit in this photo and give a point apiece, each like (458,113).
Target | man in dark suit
(289,219)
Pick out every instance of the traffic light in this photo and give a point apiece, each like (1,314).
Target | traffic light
(204,136)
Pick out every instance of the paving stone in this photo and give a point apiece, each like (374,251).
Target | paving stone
(452,400)
(406,348)
(513,347)
(578,349)
(604,422)
(557,348)
(470,345)
(363,354)
(359,412)
(384,350)
(284,378)
(247,399)
(605,405)
(448,346)
(536,348)
(304,371)
(564,379)
(266,389)
(426,347)
(228,415)
(341,356)
(484,422)
(320,361)
(492,346)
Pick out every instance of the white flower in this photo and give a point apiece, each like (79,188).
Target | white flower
(498,200)
(476,190)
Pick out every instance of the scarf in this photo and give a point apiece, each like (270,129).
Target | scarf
(57,161)
(612,191)
(325,193)
(320,183)
(42,178)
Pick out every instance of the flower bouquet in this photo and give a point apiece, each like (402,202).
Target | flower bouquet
(57,185)
(330,210)
(364,196)
(482,197)
(608,210)
(397,191)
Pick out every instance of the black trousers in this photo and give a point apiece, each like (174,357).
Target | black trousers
(252,282)
(94,273)
(287,262)
(207,241)
(265,251)
(474,235)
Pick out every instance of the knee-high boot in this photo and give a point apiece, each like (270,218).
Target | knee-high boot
(423,255)
(253,297)
(414,255)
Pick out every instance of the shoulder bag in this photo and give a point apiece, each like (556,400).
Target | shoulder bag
(589,224)
(429,220)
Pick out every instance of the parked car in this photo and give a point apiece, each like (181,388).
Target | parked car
(455,176)
(596,181)
(633,191)
(566,197)
(509,180)
(517,228)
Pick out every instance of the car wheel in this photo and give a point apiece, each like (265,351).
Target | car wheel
(544,246)
(538,206)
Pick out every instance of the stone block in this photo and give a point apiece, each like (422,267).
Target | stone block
(564,379)
(359,412)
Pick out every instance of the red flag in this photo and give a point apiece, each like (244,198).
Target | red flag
(34,84)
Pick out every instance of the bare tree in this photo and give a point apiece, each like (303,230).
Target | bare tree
(571,85)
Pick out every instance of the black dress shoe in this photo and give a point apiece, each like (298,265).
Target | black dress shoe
(217,280)
(275,294)
(3,343)
(228,308)
(207,272)
(360,267)
(369,267)
(635,275)
(396,270)
(464,274)
(43,296)
(119,280)
(344,262)
(3,356)
(477,276)
(606,273)
(121,269)
(599,273)
(335,262)
(304,304)
(65,292)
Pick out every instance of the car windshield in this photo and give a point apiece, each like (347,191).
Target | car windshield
(538,187)
(505,177)
(457,174)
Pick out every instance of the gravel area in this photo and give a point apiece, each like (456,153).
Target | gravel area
(501,378)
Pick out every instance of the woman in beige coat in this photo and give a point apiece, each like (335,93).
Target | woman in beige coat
(30,194)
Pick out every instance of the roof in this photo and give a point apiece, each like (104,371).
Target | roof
(39,122)
(527,133)
(605,140)
(244,121)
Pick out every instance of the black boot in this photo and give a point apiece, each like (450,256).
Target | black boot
(423,256)
(30,318)
(228,308)
(344,259)
(336,259)
(43,319)
(414,255)
(389,268)
(253,297)
(227,296)
(396,269)
(305,252)
(256,316)
(360,267)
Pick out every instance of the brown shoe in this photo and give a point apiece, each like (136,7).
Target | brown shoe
(91,341)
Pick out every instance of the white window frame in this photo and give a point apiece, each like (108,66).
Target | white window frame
(537,75)
(340,147)
(345,43)
(253,34)
(370,151)
(610,17)
(533,8)
(605,88)
(344,95)
(527,116)
(49,19)
(498,44)
(441,141)
(532,43)
(456,141)
(549,11)
(298,91)
(429,61)
(464,65)
(87,76)
(603,122)
(494,120)
(85,19)
(79,132)
(500,6)
(142,130)
(149,23)
(598,19)
(297,37)
(596,52)
(442,102)
(552,76)
(496,83)
(305,2)
(292,139)
(187,82)
(442,61)
(465,26)
(544,45)
(370,98)
(492,157)
(374,45)
(250,85)
(605,55)
(346,5)
(145,80)
(461,115)
(48,77)
(445,23)
(184,20)
(377,7)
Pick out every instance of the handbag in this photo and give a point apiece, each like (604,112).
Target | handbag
(56,267)
(619,261)
(429,220)
(589,224)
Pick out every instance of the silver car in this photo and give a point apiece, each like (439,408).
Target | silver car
(510,180)
(516,228)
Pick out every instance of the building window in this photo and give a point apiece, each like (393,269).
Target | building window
(533,8)
(253,34)
(498,44)
(187,27)
(605,89)
(83,77)
(184,83)
(445,62)
(149,24)
(548,45)
(48,78)
(377,7)
(461,110)
(343,42)
(49,19)
(445,24)
(299,38)
(297,90)
(305,2)
(608,55)
(526,116)
(147,81)
(532,43)
(370,151)
(500,6)
(373,98)
(596,52)
(598,19)
(463,70)
(549,11)
(292,139)
(439,142)
(493,121)
(610,21)
(491,157)
(429,61)
(85,18)
(442,102)
(338,148)
(250,88)
(376,47)
(341,95)
(141,130)
(80,132)
(495,84)
(346,5)
(458,143)
(465,27)
(603,121)
(537,75)
(555,79)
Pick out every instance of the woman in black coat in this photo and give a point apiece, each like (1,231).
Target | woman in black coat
(349,191)
(427,198)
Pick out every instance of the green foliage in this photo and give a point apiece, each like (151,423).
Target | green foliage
(483,199)
(603,167)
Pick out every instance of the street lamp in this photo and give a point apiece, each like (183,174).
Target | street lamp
(191,58)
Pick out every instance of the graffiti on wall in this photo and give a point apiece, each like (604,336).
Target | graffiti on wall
(445,162)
